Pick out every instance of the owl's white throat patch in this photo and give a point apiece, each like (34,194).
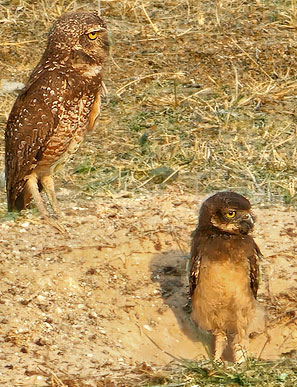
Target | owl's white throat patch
(93,71)
(88,70)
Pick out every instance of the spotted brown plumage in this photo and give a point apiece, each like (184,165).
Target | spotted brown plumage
(59,104)
(224,272)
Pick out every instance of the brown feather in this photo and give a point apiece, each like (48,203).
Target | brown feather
(254,269)
(57,107)
(24,140)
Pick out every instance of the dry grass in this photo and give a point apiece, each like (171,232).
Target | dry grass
(253,373)
(197,374)
(206,93)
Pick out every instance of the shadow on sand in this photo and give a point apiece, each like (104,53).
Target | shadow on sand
(169,270)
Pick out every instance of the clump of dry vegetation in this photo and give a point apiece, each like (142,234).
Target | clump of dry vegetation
(202,373)
(252,373)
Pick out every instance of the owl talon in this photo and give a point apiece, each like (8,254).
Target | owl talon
(55,223)
(239,353)
(57,216)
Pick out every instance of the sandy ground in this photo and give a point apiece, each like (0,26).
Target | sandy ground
(109,296)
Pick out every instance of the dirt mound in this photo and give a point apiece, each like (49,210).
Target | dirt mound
(110,294)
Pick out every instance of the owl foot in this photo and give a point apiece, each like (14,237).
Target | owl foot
(47,183)
(220,342)
(56,224)
(239,353)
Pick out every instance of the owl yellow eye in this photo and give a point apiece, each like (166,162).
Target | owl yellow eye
(230,214)
(93,35)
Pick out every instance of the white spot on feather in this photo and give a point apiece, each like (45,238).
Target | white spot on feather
(93,71)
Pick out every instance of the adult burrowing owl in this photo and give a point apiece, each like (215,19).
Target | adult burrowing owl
(57,107)
(224,272)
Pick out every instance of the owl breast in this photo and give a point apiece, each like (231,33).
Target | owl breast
(224,286)
(73,124)
(222,295)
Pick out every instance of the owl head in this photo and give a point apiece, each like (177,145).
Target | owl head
(227,212)
(79,38)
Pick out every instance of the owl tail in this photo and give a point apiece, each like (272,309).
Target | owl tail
(17,204)
(21,201)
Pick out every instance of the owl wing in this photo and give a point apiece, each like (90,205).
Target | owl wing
(254,269)
(30,124)
(195,262)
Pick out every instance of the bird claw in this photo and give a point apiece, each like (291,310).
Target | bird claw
(239,353)
(56,224)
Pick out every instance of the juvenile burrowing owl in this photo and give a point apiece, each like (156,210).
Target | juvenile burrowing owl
(57,107)
(224,272)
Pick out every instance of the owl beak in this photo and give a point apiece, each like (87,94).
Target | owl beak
(246,224)
(249,218)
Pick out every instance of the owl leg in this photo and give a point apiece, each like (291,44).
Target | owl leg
(47,183)
(31,189)
(220,342)
(238,346)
